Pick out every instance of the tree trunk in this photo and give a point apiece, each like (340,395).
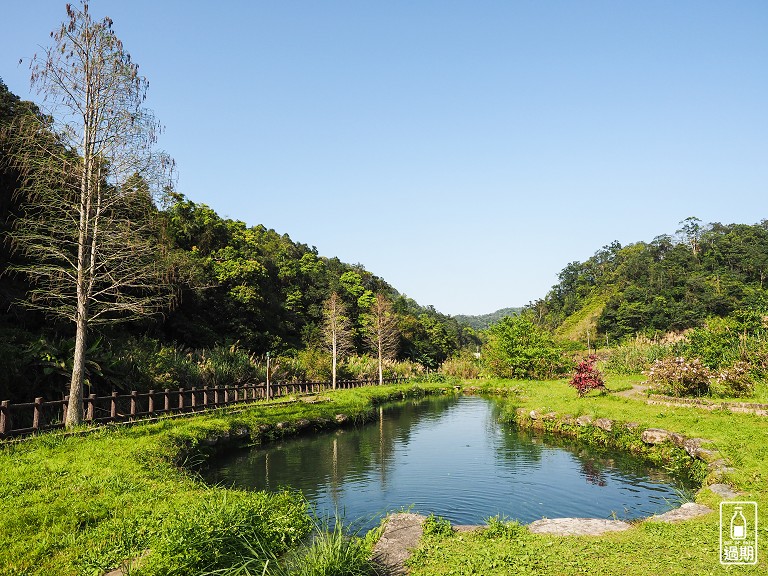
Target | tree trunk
(381,370)
(334,361)
(75,406)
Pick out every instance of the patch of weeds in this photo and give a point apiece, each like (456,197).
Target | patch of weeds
(501,528)
(437,526)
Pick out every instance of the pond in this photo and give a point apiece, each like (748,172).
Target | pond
(451,457)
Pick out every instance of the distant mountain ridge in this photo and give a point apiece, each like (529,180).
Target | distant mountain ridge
(484,321)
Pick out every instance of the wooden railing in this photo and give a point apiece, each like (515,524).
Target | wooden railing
(41,415)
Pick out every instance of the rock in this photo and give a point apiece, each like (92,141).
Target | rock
(342,418)
(283,425)
(402,533)
(631,425)
(568,420)
(604,423)
(685,512)
(655,436)
(577,526)
(549,416)
(534,415)
(584,420)
(240,433)
(302,423)
(724,491)
(264,428)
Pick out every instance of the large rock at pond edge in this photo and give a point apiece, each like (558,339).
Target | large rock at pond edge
(402,533)
(577,526)
(604,423)
(655,436)
(685,512)
(584,420)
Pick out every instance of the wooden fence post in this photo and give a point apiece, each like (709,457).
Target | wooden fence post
(167,398)
(192,398)
(5,419)
(215,395)
(113,406)
(89,412)
(64,408)
(151,402)
(134,394)
(38,415)
(205,395)
(181,399)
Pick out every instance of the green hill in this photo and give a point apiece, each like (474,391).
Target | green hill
(483,321)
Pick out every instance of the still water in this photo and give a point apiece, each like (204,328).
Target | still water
(450,456)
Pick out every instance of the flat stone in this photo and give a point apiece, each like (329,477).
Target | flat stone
(577,526)
(604,423)
(584,420)
(685,512)
(631,425)
(534,415)
(724,491)
(401,535)
(283,425)
(341,418)
(655,436)
(302,423)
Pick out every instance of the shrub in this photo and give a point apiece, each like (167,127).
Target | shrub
(517,348)
(587,377)
(734,381)
(679,377)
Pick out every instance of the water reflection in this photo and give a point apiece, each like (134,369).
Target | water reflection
(449,456)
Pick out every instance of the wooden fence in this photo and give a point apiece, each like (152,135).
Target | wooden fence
(41,415)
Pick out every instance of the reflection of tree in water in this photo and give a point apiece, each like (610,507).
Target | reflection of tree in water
(593,472)
(333,457)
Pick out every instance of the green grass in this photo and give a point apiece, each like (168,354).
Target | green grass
(688,548)
(80,505)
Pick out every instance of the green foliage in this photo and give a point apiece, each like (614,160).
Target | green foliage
(500,528)
(517,348)
(485,321)
(721,342)
(436,526)
(668,284)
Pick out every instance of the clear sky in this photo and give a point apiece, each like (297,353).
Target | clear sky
(465,151)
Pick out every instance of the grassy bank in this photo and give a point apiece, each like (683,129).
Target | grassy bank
(82,504)
(689,548)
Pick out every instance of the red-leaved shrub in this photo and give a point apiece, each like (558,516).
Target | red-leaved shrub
(587,377)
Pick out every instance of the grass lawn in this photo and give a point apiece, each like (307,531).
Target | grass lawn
(651,548)
(80,505)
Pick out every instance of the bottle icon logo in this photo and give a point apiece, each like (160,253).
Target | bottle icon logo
(738,533)
(738,525)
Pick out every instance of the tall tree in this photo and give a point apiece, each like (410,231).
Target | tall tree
(87,227)
(381,331)
(338,330)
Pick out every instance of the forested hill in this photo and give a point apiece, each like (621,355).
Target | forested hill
(483,321)
(234,284)
(673,282)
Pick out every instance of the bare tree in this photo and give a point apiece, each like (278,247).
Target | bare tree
(381,332)
(338,330)
(90,173)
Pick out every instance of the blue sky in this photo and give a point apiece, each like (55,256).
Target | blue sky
(465,151)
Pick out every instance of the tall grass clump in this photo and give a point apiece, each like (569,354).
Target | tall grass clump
(636,356)
(226,529)
(333,552)
(464,365)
